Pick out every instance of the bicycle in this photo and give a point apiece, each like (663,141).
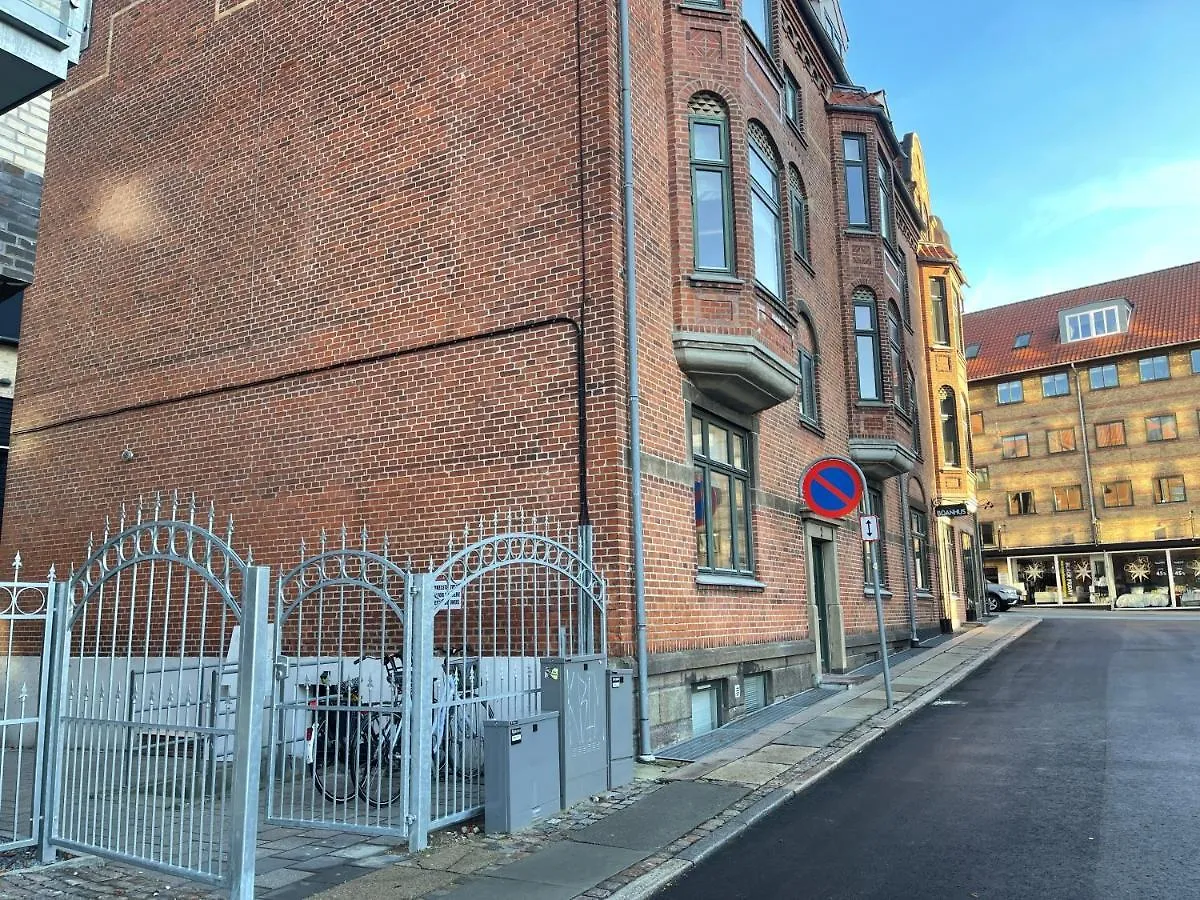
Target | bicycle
(358,751)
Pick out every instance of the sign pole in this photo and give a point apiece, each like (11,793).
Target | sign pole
(883,647)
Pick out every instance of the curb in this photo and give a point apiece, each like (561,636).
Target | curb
(649,884)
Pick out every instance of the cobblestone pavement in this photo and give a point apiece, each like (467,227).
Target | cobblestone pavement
(773,763)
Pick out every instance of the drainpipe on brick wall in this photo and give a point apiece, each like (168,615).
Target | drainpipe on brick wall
(1087,455)
(909,586)
(635,412)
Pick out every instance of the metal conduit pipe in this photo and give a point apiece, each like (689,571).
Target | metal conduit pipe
(909,582)
(635,413)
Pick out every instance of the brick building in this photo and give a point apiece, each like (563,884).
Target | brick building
(325,262)
(1087,440)
(941,280)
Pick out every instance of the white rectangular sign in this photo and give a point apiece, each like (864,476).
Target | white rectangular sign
(869,525)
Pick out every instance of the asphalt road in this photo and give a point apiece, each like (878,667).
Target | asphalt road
(1068,767)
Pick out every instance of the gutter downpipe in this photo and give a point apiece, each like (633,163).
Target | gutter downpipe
(909,584)
(1087,455)
(635,412)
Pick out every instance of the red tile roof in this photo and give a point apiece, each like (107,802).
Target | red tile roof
(1166,311)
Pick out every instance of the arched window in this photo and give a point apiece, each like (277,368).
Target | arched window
(798,203)
(866,345)
(810,410)
(896,351)
(764,212)
(948,412)
(712,202)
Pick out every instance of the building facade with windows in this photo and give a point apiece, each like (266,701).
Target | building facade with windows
(953,532)
(1087,405)
(368,268)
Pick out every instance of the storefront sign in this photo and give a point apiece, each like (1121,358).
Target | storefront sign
(951,510)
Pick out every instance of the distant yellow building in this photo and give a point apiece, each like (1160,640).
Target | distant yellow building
(1087,441)
(941,279)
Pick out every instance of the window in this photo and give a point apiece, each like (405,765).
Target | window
(1022,341)
(919,528)
(884,173)
(799,210)
(1154,368)
(972,351)
(792,107)
(1196,362)
(721,460)
(1014,446)
(914,409)
(976,423)
(854,151)
(1118,493)
(1060,440)
(941,314)
(757,14)
(1020,503)
(712,203)
(1009,392)
(1101,377)
(1169,489)
(1161,428)
(866,343)
(1092,323)
(987,533)
(807,392)
(948,413)
(873,506)
(1056,385)
(764,213)
(983,477)
(1068,498)
(1110,434)
(896,348)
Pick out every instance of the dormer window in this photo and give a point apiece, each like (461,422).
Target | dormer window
(1022,341)
(1082,323)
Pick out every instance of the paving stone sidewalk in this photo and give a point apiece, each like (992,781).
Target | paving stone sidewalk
(621,846)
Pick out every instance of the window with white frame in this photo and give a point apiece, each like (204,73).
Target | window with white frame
(1091,323)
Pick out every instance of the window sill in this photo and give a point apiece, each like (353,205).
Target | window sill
(923,594)
(715,279)
(869,591)
(805,263)
(902,412)
(797,132)
(875,404)
(812,426)
(861,231)
(743,582)
(780,307)
(768,55)
(704,10)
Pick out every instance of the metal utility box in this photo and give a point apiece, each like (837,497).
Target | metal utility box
(520,758)
(620,727)
(575,687)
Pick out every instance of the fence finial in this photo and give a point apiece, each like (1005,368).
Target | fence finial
(16,565)
(51,575)
(175,503)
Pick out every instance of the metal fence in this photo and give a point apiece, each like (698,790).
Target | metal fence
(170,676)
(150,770)
(26,611)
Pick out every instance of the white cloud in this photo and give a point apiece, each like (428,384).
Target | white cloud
(1097,231)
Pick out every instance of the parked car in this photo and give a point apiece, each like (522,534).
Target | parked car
(1001,596)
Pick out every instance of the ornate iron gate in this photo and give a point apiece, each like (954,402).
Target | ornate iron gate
(26,614)
(482,621)
(340,748)
(156,716)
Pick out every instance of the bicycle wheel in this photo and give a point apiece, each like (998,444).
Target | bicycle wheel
(333,770)
(379,770)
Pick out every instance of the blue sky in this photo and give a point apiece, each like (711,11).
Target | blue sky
(1062,137)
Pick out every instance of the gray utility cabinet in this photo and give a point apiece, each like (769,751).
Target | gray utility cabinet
(620,727)
(575,687)
(520,758)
